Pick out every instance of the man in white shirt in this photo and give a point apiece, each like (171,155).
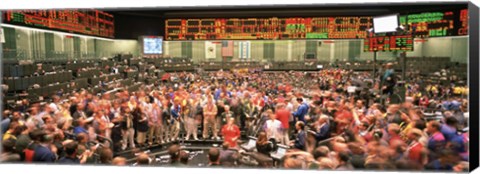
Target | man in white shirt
(273,126)
(54,103)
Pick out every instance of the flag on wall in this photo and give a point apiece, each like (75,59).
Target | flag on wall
(210,50)
(227,48)
(244,50)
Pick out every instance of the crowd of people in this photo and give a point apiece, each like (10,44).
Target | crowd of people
(329,119)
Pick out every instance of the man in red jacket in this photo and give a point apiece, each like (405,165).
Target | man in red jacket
(415,150)
(283,115)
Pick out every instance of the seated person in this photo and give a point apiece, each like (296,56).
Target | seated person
(143,160)
(213,157)
(106,156)
(184,158)
(8,152)
(119,161)
(227,156)
(299,142)
(263,146)
(70,157)
(174,152)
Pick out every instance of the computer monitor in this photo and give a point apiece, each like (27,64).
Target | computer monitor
(251,142)
(281,151)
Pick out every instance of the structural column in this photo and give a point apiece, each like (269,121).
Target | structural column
(289,51)
(165,48)
(332,52)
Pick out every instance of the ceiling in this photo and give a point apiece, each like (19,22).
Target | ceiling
(366,9)
(134,22)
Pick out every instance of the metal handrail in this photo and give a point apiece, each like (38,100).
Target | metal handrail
(99,138)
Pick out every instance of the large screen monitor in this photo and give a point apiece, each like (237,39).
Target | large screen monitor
(152,45)
(385,24)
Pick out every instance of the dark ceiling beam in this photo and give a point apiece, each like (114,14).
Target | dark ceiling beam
(138,14)
(290,6)
(289,12)
(367,9)
(280,13)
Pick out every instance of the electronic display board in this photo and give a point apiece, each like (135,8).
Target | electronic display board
(388,43)
(267,28)
(437,24)
(427,24)
(152,45)
(88,22)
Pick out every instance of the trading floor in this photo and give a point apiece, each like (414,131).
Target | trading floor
(307,87)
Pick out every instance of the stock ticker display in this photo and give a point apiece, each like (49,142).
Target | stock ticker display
(88,22)
(421,25)
(388,43)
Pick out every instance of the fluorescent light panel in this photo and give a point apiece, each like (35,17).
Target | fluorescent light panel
(55,32)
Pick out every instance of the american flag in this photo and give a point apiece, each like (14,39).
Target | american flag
(227,48)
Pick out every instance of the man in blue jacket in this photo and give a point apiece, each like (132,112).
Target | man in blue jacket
(302,110)
(322,131)
(44,151)
(175,112)
(299,142)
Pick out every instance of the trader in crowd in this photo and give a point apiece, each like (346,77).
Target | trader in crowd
(350,131)
(388,80)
